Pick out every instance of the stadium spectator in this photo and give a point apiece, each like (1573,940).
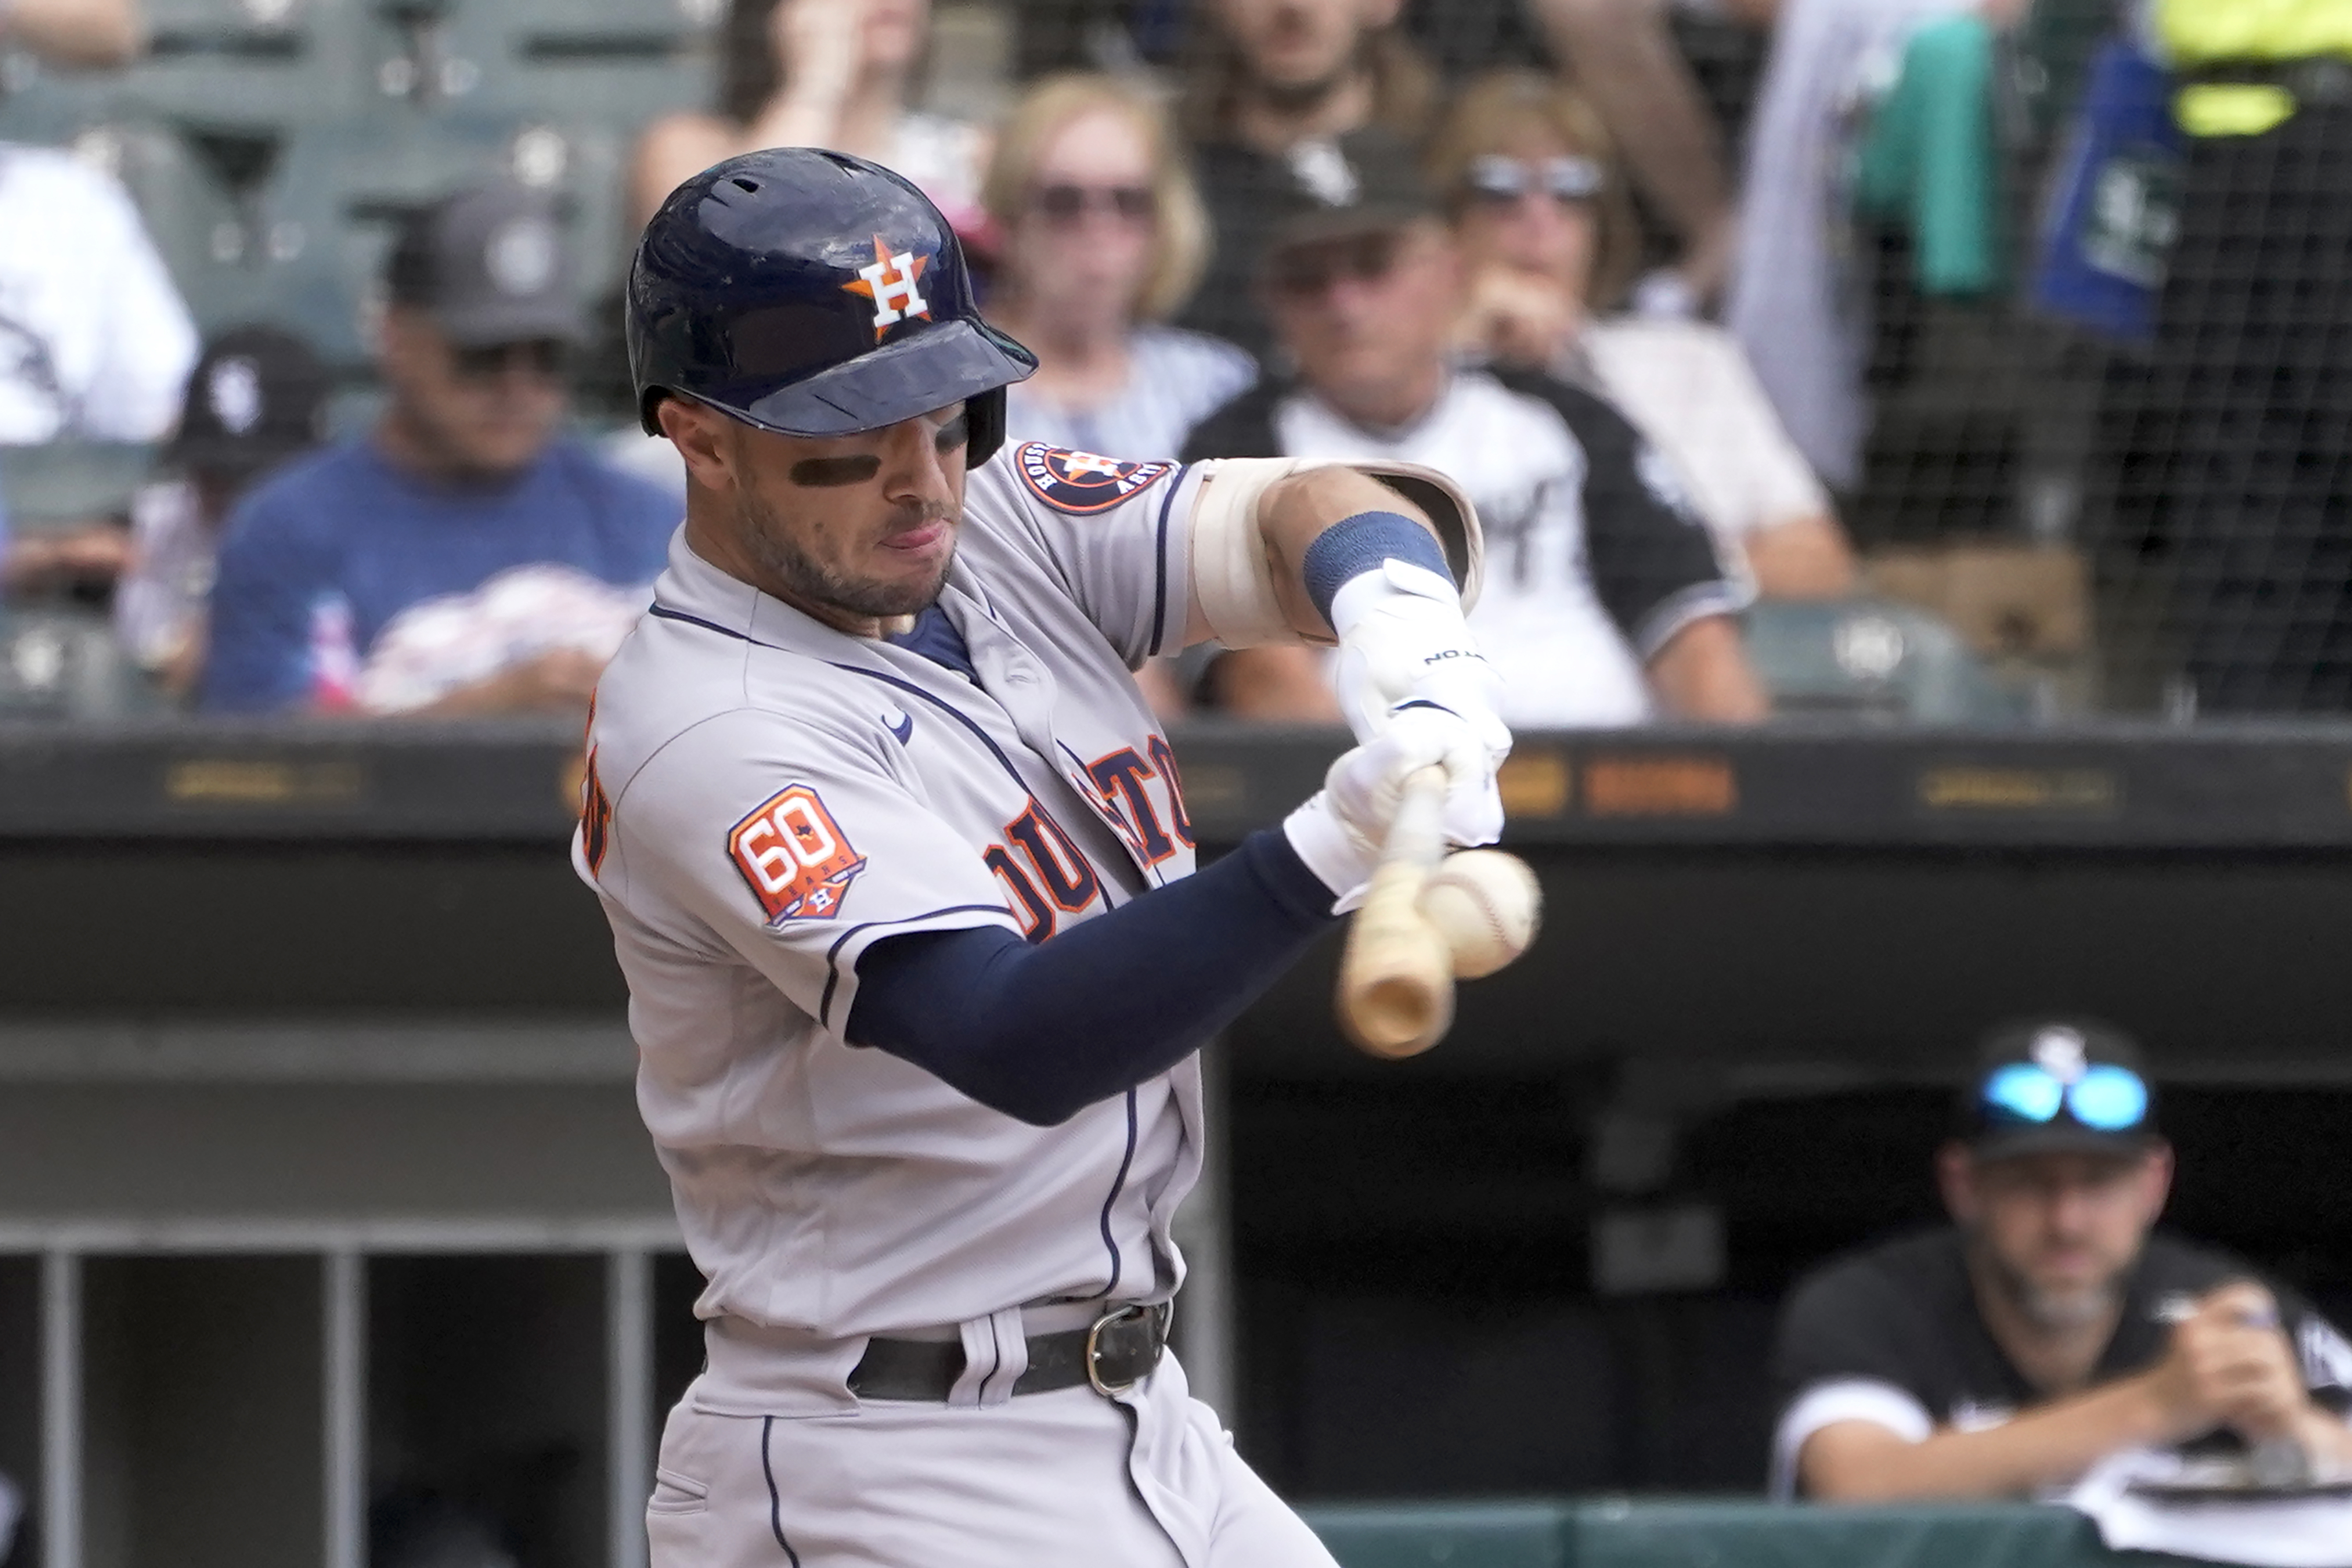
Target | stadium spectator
(1270,86)
(460,559)
(819,73)
(1543,219)
(1103,238)
(1792,301)
(85,32)
(94,344)
(257,399)
(2047,1326)
(1622,56)
(1603,597)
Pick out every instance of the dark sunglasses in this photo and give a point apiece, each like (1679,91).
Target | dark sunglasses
(548,357)
(1493,178)
(1308,271)
(1069,203)
(2105,1097)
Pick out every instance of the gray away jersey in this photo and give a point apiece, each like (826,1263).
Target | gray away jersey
(767,797)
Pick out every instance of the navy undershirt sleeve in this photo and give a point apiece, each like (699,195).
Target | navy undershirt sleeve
(1041,1032)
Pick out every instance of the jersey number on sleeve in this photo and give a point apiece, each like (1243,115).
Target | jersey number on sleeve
(795,857)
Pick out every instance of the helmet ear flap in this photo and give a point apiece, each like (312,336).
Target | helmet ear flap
(984,418)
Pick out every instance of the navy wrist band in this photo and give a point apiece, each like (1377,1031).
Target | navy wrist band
(1355,545)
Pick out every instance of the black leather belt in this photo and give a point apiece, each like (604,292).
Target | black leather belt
(1113,1354)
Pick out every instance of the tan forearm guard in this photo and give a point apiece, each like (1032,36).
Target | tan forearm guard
(1232,569)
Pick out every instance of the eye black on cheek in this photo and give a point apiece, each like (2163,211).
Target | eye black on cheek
(825,473)
(954,433)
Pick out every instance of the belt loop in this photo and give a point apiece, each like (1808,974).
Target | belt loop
(995,1354)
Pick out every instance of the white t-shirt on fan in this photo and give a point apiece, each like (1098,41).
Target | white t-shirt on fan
(1564,663)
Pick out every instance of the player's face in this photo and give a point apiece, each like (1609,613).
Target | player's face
(1082,245)
(2057,1233)
(481,411)
(1370,317)
(851,528)
(1300,48)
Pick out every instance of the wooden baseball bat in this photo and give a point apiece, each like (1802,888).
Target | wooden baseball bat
(1396,974)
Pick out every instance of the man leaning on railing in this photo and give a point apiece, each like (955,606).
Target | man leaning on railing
(2046,1330)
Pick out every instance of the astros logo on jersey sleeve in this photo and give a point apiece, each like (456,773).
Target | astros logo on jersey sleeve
(1082,482)
(795,857)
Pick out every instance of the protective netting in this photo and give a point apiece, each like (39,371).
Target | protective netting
(2065,374)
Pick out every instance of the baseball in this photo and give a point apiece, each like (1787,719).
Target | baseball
(1486,904)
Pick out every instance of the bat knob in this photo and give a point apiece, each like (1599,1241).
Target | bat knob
(1396,987)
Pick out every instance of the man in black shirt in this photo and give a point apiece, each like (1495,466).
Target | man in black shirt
(2046,1328)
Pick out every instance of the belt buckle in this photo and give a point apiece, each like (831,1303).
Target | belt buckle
(1116,1317)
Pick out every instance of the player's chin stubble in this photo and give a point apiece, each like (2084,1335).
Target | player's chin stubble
(765,537)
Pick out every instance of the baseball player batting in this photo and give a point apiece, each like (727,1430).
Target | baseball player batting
(899,870)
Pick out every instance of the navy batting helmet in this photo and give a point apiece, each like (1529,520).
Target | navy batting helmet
(813,293)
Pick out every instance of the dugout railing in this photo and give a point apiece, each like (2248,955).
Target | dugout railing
(316,1136)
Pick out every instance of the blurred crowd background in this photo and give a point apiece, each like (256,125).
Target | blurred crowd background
(1968,361)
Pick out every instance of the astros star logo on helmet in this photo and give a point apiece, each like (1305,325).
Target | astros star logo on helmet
(890,283)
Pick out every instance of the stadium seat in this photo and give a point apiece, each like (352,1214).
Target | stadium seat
(50,107)
(65,663)
(617,62)
(291,225)
(70,481)
(302,245)
(1870,659)
(282,62)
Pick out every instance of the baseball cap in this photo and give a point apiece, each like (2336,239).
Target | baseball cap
(256,397)
(2057,1086)
(1361,182)
(490,265)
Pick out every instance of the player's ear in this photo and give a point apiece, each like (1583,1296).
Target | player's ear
(699,435)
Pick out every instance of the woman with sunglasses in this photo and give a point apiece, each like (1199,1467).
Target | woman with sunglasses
(818,73)
(1547,227)
(1102,238)
(1102,235)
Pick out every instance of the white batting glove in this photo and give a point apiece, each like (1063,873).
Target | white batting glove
(1340,830)
(1405,646)
(1403,640)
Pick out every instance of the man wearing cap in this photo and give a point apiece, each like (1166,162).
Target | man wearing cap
(1279,87)
(1606,602)
(257,399)
(2046,1327)
(460,558)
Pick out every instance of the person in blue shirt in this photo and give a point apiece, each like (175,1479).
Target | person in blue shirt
(461,558)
